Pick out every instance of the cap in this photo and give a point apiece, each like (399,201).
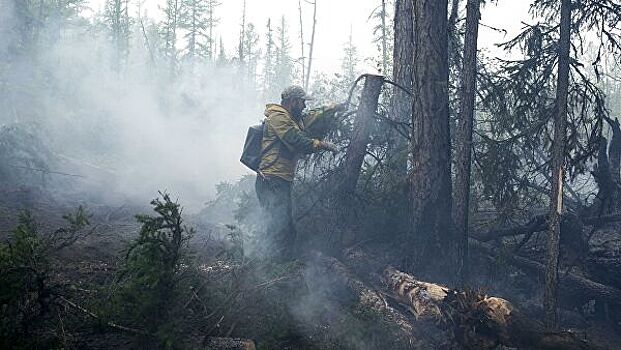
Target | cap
(295,91)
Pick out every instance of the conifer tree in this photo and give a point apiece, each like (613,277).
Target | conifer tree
(117,21)
(193,18)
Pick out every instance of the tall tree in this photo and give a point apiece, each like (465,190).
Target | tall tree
(242,35)
(383,34)
(268,67)
(403,50)
(432,241)
(193,19)
(350,60)
(303,59)
(463,149)
(169,33)
(251,49)
(117,20)
(558,160)
(212,21)
(284,63)
(312,45)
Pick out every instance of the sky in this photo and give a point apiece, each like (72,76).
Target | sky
(336,19)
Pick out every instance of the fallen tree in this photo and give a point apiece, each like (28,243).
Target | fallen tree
(572,286)
(336,279)
(473,320)
(477,321)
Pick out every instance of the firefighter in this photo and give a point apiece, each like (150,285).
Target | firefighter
(288,134)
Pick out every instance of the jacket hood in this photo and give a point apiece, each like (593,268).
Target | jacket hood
(273,107)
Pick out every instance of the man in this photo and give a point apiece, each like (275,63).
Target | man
(288,133)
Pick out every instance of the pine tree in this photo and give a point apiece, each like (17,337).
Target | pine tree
(350,60)
(193,18)
(383,36)
(221,60)
(211,23)
(169,33)
(117,21)
(269,58)
(251,49)
(284,63)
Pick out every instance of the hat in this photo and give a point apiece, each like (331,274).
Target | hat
(295,91)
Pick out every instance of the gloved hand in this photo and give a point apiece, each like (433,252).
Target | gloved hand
(329,146)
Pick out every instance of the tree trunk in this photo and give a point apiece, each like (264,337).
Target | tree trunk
(464,135)
(475,320)
(302,43)
(384,40)
(558,158)
(312,44)
(401,102)
(362,128)
(430,178)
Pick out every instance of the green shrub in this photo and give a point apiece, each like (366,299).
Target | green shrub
(26,264)
(157,271)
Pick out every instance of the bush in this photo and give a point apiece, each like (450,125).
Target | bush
(158,269)
(26,265)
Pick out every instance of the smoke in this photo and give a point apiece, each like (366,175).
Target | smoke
(130,131)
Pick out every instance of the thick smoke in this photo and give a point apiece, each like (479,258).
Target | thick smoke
(130,127)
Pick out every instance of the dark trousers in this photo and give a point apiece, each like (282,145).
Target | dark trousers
(274,196)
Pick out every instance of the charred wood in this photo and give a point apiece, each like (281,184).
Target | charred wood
(477,321)
(345,286)
(362,131)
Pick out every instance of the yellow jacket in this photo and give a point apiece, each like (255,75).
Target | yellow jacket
(284,139)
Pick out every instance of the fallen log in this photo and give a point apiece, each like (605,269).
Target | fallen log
(477,321)
(345,286)
(538,223)
(572,286)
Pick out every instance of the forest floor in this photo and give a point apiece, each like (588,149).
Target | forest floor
(88,268)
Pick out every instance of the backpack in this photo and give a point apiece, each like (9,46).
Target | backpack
(251,155)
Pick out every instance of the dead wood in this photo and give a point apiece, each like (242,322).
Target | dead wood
(539,223)
(93,315)
(361,131)
(216,343)
(572,286)
(347,287)
(477,321)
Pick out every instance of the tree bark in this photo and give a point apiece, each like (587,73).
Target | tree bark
(464,135)
(558,159)
(361,132)
(432,238)
(401,102)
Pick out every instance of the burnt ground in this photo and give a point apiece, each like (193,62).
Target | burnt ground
(85,271)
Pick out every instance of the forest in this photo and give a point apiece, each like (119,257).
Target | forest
(436,195)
